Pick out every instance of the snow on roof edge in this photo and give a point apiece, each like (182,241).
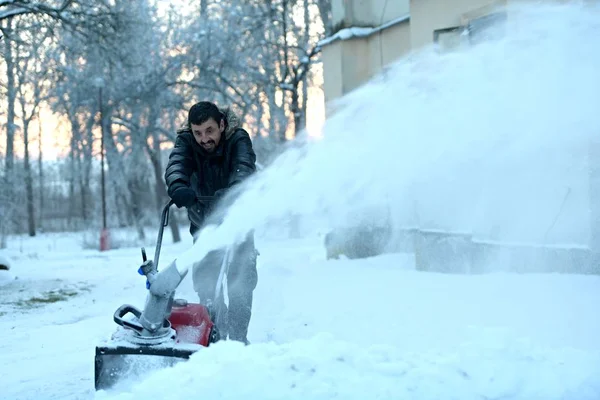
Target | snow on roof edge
(361,32)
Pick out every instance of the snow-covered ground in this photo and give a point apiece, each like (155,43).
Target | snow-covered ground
(372,328)
(493,140)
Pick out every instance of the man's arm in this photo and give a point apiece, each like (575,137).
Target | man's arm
(243,158)
(242,165)
(178,172)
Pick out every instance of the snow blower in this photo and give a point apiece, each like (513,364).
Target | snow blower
(169,329)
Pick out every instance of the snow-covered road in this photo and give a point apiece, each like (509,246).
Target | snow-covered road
(321,329)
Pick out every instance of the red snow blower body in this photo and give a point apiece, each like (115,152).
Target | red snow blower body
(191,322)
(169,329)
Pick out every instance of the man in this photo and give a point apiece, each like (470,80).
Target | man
(212,154)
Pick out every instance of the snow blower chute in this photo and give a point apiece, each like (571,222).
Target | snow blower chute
(168,329)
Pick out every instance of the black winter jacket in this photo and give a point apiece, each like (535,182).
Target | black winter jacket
(232,161)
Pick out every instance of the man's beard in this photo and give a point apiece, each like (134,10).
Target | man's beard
(211,147)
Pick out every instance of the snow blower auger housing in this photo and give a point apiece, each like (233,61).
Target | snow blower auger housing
(169,329)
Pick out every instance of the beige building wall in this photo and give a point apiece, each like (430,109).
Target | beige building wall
(371,13)
(355,63)
(333,76)
(383,11)
(370,34)
(348,64)
(352,57)
(388,46)
(428,15)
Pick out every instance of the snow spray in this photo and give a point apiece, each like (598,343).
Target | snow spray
(487,139)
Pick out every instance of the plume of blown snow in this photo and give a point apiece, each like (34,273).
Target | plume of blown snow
(490,139)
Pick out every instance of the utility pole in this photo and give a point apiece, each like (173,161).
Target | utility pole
(103,179)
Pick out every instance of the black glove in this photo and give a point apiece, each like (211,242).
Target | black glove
(184,197)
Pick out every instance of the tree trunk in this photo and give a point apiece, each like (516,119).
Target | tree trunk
(28,181)
(87,152)
(136,172)
(116,174)
(325,13)
(160,186)
(82,186)
(11,101)
(306,74)
(40,174)
(136,191)
(75,128)
(296,111)
(276,128)
(6,222)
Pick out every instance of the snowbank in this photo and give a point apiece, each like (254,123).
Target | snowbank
(324,368)
(398,331)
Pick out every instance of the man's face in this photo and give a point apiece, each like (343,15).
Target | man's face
(208,134)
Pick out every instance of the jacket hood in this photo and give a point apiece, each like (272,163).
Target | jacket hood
(232,121)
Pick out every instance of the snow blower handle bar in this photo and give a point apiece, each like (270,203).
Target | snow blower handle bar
(152,266)
(124,310)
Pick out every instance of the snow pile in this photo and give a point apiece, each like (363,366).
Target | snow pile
(430,326)
(375,328)
(493,139)
(323,368)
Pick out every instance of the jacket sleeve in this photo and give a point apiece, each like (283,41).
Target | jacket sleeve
(180,166)
(243,158)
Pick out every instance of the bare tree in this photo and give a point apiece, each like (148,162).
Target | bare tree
(16,18)
(14,8)
(255,56)
(32,72)
(11,95)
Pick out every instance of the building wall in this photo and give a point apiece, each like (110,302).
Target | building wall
(371,13)
(351,62)
(383,11)
(347,64)
(393,42)
(428,15)
(333,76)
(347,13)
(356,65)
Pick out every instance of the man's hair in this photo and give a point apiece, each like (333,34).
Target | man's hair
(202,112)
